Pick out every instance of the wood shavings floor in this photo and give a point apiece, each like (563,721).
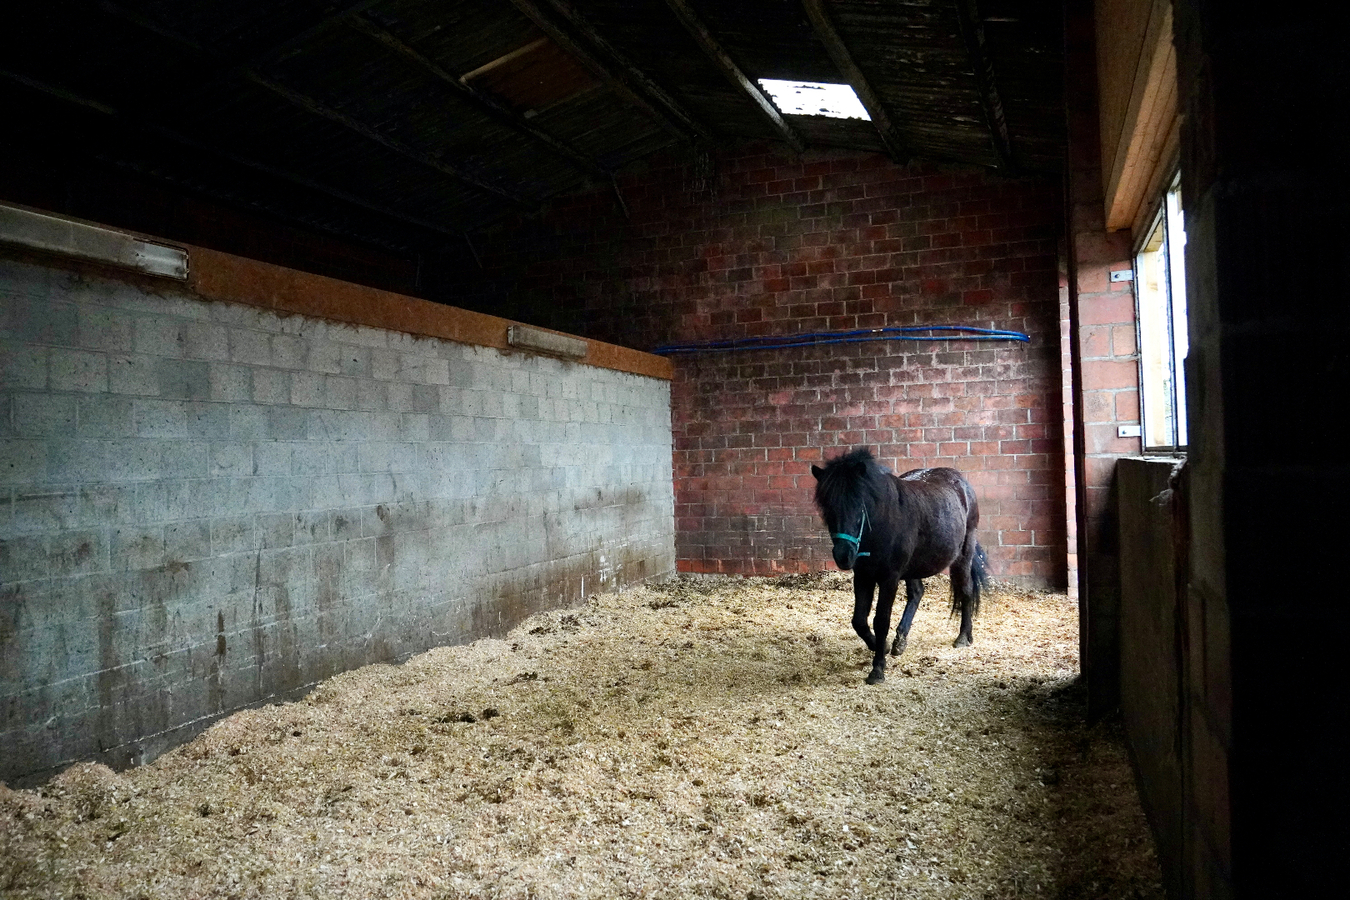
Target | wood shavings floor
(702,738)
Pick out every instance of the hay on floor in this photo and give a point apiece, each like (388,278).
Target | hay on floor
(701,738)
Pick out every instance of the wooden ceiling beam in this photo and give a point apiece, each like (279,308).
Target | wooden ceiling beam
(297,40)
(271,54)
(843,61)
(481,100)
(704,37)
(318,108)
(621,75)
(500,61)
(972,32)
(280,173)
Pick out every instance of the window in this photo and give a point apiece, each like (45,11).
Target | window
(810,98)
(1160,293)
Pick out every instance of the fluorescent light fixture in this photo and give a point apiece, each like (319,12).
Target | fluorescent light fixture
(57,234)
(550,342)
(812,98)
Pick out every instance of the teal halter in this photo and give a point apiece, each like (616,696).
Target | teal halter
(856,541)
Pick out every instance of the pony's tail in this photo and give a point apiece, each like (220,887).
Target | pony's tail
(979,581)
(979,575)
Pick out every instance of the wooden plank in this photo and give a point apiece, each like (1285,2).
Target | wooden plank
(1166,162)
(843,61)
(536,81)
(720,58)
(503,60)
(1149,118)
(224,277)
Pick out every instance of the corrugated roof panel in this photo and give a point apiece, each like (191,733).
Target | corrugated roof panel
(218,90)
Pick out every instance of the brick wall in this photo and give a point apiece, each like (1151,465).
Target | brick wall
(1106,369)
(772,244)
(206,505)
(1070,428)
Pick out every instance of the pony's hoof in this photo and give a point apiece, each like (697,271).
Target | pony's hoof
(962,641)
(876,677)
(899,646)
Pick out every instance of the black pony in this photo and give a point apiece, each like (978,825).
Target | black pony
(892,528)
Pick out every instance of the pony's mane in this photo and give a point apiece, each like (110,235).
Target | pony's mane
(850,479)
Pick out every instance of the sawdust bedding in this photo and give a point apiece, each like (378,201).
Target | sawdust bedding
(701,738)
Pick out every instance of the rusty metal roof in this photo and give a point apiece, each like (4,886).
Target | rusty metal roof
(399,118)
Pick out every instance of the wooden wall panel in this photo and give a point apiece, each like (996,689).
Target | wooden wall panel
(1136,66)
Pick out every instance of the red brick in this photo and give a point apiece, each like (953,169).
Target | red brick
(1099,407)
(1096,342)
(1127,406)
(1106,309)
(1110,374)
(794,246)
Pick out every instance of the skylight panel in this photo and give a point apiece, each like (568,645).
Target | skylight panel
(812,98)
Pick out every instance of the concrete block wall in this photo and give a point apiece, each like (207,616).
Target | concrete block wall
(778,244)
(1153,561)
(1264,776)
(205,505)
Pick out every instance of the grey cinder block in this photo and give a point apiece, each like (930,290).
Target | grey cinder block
(193,475)
(78,370)
(23,461)
(133,374)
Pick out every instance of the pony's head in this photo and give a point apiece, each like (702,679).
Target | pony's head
(848,492)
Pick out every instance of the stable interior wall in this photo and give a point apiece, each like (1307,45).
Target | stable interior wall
(1154,520)
(1229,613)
(1267,201)
(217,494)
(761,242)
(1105,364)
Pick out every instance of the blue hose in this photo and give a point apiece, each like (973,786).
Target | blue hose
(899,333)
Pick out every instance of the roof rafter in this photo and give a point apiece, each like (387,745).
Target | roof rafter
(843,61)
(318,108)
(295,41)
(718,54)
(478,98)
(621,75)
(276,51)
(278,172)
(972,31)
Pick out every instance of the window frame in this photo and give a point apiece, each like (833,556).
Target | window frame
(1167,217)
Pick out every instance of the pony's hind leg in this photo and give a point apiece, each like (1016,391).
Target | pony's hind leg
(966,636)
(913,594)
(964,599)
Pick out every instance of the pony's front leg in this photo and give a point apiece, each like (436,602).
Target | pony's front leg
(913,594)
(882,625)
(863,588)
